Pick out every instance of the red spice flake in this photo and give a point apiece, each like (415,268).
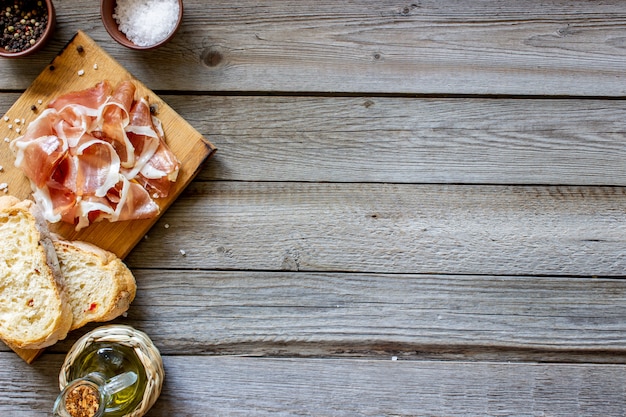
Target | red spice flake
(92,307)
(82,401)
(30,302)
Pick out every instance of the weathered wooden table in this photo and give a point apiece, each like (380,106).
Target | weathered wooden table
(416,208)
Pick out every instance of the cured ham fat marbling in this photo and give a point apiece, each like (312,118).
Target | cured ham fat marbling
(97,154)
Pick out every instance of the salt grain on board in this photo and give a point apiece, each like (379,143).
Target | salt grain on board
(144,22)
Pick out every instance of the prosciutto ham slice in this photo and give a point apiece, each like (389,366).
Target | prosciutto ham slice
(156,166)
(97,154)
(90,99)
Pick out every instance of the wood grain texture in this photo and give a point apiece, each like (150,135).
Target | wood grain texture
(425,47)
(401,228)
(299,314)
(412,140)
(202,386)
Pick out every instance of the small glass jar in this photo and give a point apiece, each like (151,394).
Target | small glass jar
(92,395)
(105,354)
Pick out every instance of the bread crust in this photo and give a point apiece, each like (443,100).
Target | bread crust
(64,309)
(62,322)
(122,285)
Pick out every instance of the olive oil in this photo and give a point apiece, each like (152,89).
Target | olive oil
(111,359)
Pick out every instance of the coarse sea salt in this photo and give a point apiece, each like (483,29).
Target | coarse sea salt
(146,23)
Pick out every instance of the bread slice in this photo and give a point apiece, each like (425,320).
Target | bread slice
(34,311)
(99,285)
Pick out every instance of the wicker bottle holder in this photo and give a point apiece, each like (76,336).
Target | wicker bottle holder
(147,353)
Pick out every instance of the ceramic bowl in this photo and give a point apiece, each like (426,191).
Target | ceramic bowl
(41,40)
(107,9)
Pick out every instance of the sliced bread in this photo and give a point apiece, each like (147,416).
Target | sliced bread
(99,285)
(34,311)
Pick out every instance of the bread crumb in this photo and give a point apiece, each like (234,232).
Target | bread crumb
(182,252)
(81,72)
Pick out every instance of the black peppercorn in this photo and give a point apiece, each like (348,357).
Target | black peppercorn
(80,49)
(22,24)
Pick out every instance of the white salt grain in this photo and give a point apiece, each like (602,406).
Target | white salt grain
(17,130)
(95,66)
(6,118)
(81,72)
(144,22)
(4,186)
(40,101)
(7,140)
(183,253)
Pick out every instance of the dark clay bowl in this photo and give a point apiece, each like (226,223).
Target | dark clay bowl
(41,41)
(107,7)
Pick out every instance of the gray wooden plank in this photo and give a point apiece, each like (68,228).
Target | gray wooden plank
(443,47)
(391,388)
(372,315)
(451,229)
(400,140)
(240,386)
(408,140)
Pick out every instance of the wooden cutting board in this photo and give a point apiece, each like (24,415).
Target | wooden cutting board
(82,64)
